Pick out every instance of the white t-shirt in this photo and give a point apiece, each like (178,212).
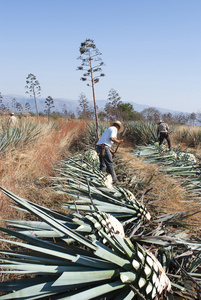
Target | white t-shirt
(12,120)
(111,132)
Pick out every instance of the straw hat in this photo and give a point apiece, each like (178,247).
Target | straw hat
(121,127)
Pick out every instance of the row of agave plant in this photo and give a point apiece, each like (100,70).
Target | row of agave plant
(24,133)
(176,163)
(141,133)
(137,133)
(107,247)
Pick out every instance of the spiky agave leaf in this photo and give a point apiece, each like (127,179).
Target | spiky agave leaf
(18,136)
(86,270)
(160,154)
(77,175)
(141,132)
(182,166)
(90,225)
(89,133)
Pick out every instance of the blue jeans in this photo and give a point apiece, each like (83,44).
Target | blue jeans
(106,162)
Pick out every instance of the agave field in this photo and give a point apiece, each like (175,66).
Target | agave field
(103,242)
(19,136)
(175,163)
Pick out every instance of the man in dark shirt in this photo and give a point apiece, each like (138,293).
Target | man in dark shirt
(163,133)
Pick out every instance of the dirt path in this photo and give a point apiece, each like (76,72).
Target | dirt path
(167,192)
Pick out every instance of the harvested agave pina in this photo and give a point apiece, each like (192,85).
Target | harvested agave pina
(185,156)
(162,281)
(150,276)
(123,265)
(107,223)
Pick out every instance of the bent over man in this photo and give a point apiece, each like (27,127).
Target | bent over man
(163,133)
(104,150)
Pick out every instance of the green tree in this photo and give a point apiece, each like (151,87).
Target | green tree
(84,111)
(91,65)
(126,111)
(114,100)
(49,103)
(33,88)
(102,115)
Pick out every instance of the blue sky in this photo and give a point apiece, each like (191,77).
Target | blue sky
(151,49)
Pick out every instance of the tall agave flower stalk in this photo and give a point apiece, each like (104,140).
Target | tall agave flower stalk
(87,269)
(79,177)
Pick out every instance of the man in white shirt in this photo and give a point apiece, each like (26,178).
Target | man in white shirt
(12,120)
(104,150)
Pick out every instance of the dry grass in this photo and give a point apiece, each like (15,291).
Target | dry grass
(167,192)
(19,168)
(187,136)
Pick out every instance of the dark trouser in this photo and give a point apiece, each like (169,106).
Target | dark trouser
(106,162)
(164,135)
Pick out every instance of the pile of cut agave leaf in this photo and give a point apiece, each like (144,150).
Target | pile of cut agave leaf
(176,163)
(107,247)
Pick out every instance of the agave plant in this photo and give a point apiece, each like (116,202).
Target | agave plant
(176,164)
(18,136)
(79,177)
(88,137)
(141,132)
(87,269)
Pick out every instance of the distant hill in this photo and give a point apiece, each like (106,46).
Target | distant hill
(71,105)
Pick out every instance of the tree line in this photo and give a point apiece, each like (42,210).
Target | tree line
(91,66)
(114,109)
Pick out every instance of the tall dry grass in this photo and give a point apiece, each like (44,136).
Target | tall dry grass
(187,136)
(19,168)
(166,193)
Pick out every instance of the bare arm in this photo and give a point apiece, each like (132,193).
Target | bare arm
(116,140)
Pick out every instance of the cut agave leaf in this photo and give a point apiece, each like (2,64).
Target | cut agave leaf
(109,267)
